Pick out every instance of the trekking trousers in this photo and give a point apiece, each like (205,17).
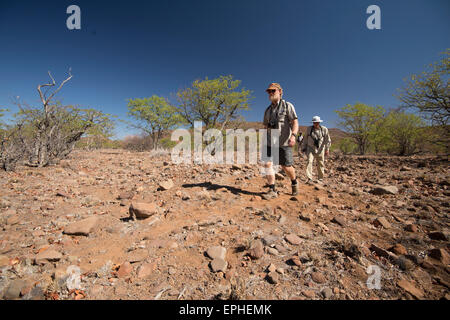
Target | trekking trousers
(320,160)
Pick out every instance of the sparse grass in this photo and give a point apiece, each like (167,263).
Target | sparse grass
(159,152)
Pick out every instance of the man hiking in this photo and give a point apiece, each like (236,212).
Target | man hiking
(280,115)
(316,145)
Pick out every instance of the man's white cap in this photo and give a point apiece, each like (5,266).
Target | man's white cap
(316,119)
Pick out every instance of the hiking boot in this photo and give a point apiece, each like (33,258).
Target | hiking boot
(271,194)
(295,189)
(309,181)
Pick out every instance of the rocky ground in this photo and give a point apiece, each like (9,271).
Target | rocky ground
(114,224)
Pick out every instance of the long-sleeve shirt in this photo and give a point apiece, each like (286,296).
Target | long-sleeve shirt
(320,134)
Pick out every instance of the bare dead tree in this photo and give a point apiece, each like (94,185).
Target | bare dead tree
(45,132)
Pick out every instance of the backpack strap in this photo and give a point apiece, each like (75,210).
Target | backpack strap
(311,129)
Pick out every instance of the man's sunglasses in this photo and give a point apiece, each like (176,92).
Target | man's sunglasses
(271,90)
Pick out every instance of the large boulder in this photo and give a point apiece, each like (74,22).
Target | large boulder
(256,250)
(219,265)
(293,239)
(216,252)
(48,255)
(166,185)
(380,190)
(142,210)
(82,227)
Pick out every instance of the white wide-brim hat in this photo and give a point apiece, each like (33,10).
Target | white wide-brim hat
(316,119)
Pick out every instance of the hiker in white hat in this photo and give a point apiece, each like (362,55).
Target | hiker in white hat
(316,145)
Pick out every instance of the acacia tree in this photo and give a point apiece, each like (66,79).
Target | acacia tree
(359,121)
(405,132)
(98,136)
(215,102)
(154,115)
(429,94)
(379,136)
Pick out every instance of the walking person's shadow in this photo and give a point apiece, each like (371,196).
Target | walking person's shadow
(213,186)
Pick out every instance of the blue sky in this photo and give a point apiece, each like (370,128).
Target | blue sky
(321,52)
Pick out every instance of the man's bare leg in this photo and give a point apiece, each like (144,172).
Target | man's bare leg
(270,181)
(290,171)
(270,173)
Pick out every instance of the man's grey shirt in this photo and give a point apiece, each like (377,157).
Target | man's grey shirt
(286,113)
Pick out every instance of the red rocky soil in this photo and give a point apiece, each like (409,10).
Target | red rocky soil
(204,232)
